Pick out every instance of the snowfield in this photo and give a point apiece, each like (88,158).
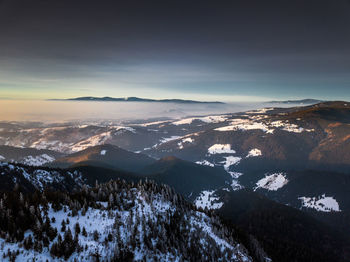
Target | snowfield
(243,125)
(254,152)
(220,149)
(290,127)
(272,182)
(207,200)
(92,141)
(267,127)
(206,119)
(320,203)
(37,160)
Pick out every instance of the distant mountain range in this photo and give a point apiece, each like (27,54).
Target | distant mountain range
(307,101)
(138,99)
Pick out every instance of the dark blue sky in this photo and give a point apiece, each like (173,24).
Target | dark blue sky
(227,50)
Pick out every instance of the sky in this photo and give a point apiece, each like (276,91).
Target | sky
(203,50)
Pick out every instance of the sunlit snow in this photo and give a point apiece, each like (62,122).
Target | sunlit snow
(272,182)
(221,149)
(254,152)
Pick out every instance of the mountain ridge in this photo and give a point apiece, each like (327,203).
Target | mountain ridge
(136,99)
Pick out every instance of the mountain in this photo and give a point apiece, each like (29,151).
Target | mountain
(117,221)
(188,178)
(31,178)
(285,233)
(307,101)
(137,99)
(28,156)
(107,156)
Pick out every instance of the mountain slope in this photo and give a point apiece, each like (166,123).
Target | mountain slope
(115,221)
(28,156)
(285,233)
(188,178)
(107,156)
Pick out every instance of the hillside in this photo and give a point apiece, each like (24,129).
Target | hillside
(28,156)
(188,178)
(285,233)
(117,221)
(107,156)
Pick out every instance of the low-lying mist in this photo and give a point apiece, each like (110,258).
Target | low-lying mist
(64,111)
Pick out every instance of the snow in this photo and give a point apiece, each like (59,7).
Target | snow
(103,221)
(267,127)
(184,141)
(290,127)
(230,161)
(154,123)
(55,145)
(254,152)
(37,160)
(272,182)
(320,203)
(103,152)
(205,163)
(200,221)
(91,141)
(243,125)
(207,200)
(206,119)
(1,157)
(221,149)
(234,184)
(167,139)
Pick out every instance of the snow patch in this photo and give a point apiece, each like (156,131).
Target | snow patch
(221,149)
(206,119)
(290,127)
(37,160)
(205,163)
(243,125)
(91,141)
(1,157)
(254,152)
(234,184)
(184,141)
(230,161)
(207,200)
(320,203)
(103,152)
(272,182)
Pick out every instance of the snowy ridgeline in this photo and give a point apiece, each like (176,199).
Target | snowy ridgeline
(117,221)
(30,160)
(39,179)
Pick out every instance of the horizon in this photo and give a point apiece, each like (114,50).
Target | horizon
(230,51)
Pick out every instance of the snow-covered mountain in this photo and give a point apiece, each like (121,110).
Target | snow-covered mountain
(115,221)
(28,156)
